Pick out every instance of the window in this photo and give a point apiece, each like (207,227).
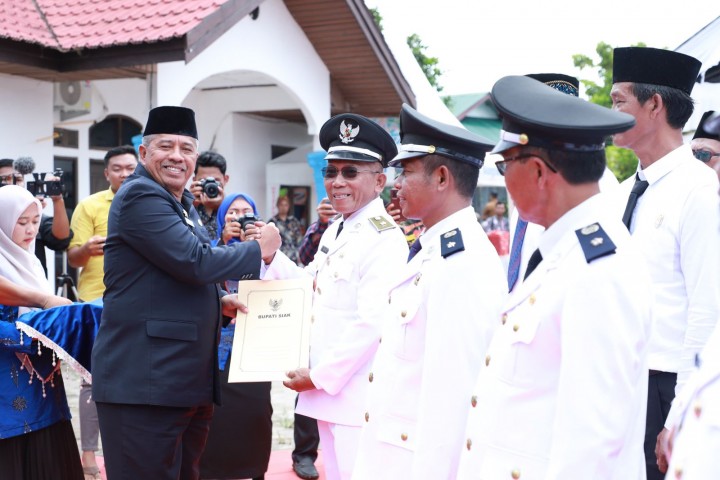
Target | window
(114,131)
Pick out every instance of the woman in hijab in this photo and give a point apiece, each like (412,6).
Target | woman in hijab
(240,438)
(36,437)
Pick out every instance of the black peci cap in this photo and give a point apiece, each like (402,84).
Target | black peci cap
(350,136)
(708,127)
(655,66)
(533,114)
(421,135)
(558,81)
(171,120)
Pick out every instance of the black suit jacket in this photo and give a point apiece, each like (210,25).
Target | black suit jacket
(157,342)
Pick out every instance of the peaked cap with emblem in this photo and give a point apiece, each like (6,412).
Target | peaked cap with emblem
(537,115)
(655,66)
(421,135)
(350,136)
(706,122)
(171,120)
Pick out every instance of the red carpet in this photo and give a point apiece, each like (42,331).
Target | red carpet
(280,467)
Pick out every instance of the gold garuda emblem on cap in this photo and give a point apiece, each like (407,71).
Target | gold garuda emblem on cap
(348,132)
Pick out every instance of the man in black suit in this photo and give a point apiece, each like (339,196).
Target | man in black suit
(154,362)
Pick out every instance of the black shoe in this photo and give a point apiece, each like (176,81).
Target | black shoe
(304,468)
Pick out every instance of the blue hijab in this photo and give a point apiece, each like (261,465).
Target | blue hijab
(227,333)
(225,206)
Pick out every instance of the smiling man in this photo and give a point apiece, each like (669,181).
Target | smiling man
(154,362)
(353,267)
(444,305)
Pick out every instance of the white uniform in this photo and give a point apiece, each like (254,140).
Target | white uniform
(608,184)
(695,417)
(352,277)
(444,310)
(564,390)
(676,225)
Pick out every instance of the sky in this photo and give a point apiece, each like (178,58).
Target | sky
(480,41)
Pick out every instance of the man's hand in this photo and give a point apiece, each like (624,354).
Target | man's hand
(200,197)
(299,380)
(660,451)
(395,213)
(54,301)
(268,236)
(231,305)
(95,245)
(325,211)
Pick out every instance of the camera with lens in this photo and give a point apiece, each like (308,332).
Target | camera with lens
(210,187)
(247,219)
(40,187)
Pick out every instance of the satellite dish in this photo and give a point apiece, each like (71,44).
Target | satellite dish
(70,92)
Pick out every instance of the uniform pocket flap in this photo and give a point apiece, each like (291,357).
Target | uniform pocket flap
(172,329)
(397,431)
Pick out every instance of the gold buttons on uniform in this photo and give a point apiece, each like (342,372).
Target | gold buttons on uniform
(504,318)
(312,318)
(318,291)
(403,313)
(403,437)
(516,327)
(473,401)
(532,299)
(487,360)
(370,377)
(367,416)
(389,300)
(342,255)
(468,443)
(515,474)
(335,274)
(417,279)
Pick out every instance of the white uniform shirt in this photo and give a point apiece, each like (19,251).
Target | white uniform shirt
(564,392)
(676,225)
(443,313)
(695,420)
(352,274)
(608,183)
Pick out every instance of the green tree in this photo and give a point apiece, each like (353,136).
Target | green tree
(429,65)
(377,17)
(622,162)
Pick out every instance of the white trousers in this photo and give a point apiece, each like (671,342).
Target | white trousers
(339,444)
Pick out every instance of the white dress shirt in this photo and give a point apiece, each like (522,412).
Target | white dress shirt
(676,225)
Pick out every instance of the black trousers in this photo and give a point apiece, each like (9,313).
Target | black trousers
(661,392)
(306,436)
(153,442)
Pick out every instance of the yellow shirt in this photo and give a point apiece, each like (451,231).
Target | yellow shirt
(91,218)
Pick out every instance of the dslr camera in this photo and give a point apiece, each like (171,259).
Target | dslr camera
(210,187)
(247,219)
(40,187)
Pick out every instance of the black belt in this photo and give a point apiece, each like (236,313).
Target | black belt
(655,372)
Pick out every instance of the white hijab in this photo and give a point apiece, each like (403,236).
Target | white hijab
(18,265)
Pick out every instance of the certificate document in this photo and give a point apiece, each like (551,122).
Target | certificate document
(274,336)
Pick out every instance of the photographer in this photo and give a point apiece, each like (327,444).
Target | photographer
(208,189)
(54,231)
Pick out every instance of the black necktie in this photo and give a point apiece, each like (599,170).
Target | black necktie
(339,229)
(414,249)
(534,261)
(637,190)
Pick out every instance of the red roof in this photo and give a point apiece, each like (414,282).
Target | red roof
(75,24)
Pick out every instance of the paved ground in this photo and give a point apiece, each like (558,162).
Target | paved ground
(283,401)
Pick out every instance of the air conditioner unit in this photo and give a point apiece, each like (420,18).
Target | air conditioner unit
(72,99)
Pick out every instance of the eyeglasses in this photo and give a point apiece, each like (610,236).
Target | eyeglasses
(502,164)
(705,155)
(348,173)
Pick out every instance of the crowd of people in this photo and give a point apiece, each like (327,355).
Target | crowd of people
(593,355)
